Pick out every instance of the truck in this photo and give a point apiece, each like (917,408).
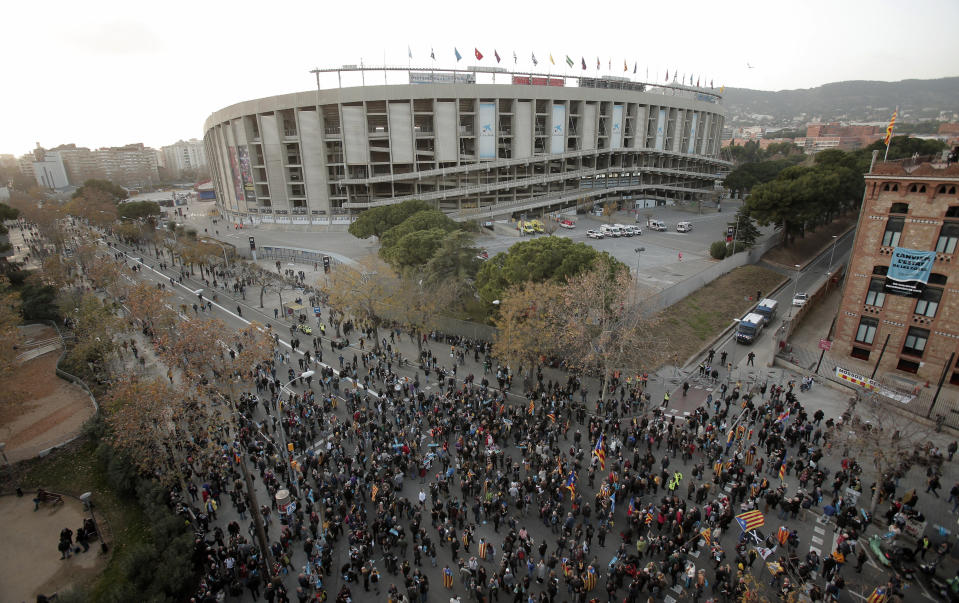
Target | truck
(750,326)
(767,307)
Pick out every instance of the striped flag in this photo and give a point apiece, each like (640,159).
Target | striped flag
(466,539)
(892,124)
(783,417)
(448,578)
(878,595)
(569,61)
(589,580)
(571,485)
(649,518)
(750,520)
(567,568)
(782,535)
(374,492)
(630,509)
(707,536)
(782,469)
(482,549)
(600,451)
(552,417)
(532,407)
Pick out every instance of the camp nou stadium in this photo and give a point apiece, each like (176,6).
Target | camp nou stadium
(478,143)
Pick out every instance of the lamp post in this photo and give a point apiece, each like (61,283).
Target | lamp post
(639,251)
(835,241)
(795,283)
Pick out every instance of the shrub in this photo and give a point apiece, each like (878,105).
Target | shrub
(718,250)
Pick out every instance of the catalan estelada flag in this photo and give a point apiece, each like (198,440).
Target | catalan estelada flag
(782,469)
(567,569)
(600,451)
(571,485)
(892,124)
(447,577)
(482,549)
(589,580)
(750,520)
(532,407)
(782,535)
(552,417)
(707,536)
(878,595)
(374,492)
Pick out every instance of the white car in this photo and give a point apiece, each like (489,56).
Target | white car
(684,227)
(800,299)
(594,234)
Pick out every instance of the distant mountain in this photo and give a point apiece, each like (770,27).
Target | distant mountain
(846,101)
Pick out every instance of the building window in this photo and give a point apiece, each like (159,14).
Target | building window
(880,270)
(890,238)
(867,330)
(954,380)
(953,211)
(908,366)
(899,208)
(928,302)
(860,353)
(876,295)
(937,279)
(915,342)
(948,237)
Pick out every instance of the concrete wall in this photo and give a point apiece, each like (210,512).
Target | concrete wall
(671,295)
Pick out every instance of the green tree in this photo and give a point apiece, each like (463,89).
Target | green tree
(744,228)
(113,191)
(422,220)
(535,260)
(6,213)
(455,261)
(377,220)
(718,250)
(38,300)
(138,209)
(413,249)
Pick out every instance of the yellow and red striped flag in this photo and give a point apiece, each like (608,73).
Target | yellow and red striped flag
(878,595)
(447,577)
(892,123)
(589,580)
(532,407)
(707,536)
(374,492)
(750,520)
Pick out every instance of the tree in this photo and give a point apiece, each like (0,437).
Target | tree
(364,292)
(535,260)
(96,187)
(144,416)
(871,433)
(454,262)
(525,328)
(7,213)
(609,211)
(94,325)
(139,209)
(56,271)
(413,249)
(151,308)
(744,229)
(718,250)
(603,327)
(9,333)
(418,301)
(95,205)
(377,220)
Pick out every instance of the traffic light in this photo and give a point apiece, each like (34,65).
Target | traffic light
(326,263)
(252,244)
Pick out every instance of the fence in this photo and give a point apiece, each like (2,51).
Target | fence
(673,294)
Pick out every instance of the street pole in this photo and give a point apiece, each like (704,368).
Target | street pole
(835,241)
(942,379)
(881,352)
(795,284)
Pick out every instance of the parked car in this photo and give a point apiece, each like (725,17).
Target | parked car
(567,224)
(657,225)
(594,234)
(800,299)
(626,230)
(482,255)
(684,227)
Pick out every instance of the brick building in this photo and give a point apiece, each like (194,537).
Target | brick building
(906,207)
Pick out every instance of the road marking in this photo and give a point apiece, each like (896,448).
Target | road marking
(818,530)
(669,599)
(817,540)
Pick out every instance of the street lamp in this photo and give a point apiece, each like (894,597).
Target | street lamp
(835,240)
(795,283)
(639,251)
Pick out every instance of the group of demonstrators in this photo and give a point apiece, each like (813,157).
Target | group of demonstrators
(383,475)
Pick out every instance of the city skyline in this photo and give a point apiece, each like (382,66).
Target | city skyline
(110,74)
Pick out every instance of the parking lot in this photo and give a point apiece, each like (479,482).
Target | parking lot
(667,257)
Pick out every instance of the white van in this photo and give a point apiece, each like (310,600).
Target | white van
(611,231)
(654,224)
(626,230)
(684,227)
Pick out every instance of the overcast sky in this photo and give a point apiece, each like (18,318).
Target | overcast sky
(106,73)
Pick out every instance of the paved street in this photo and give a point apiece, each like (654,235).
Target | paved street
(813,532)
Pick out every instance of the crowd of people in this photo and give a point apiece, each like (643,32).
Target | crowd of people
(376,480)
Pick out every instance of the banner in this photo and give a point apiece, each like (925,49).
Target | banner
(235,172)
(909,271)
(487,131)
(246,173)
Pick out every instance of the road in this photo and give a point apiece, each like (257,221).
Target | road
(813,532)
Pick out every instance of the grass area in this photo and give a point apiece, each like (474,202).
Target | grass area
(74,469)
(699,317)
(804,249)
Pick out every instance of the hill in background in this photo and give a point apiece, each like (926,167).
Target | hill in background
(859,100)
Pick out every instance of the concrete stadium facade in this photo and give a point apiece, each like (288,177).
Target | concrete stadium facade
(475,150)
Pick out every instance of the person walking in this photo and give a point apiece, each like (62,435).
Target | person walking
(750,358)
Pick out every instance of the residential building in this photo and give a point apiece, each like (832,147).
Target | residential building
(184,158)
(900,307)
(48,169)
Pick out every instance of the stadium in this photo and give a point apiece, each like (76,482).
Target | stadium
(477,149)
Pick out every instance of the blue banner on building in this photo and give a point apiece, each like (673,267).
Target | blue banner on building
(909,271)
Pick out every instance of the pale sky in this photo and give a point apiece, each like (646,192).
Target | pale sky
(106,73)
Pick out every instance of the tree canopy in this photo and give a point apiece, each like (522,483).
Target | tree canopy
(114,191)
(748,175)
(138,209)
(536,260)
(377,220)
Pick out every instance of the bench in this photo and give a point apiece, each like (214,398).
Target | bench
(44,496)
